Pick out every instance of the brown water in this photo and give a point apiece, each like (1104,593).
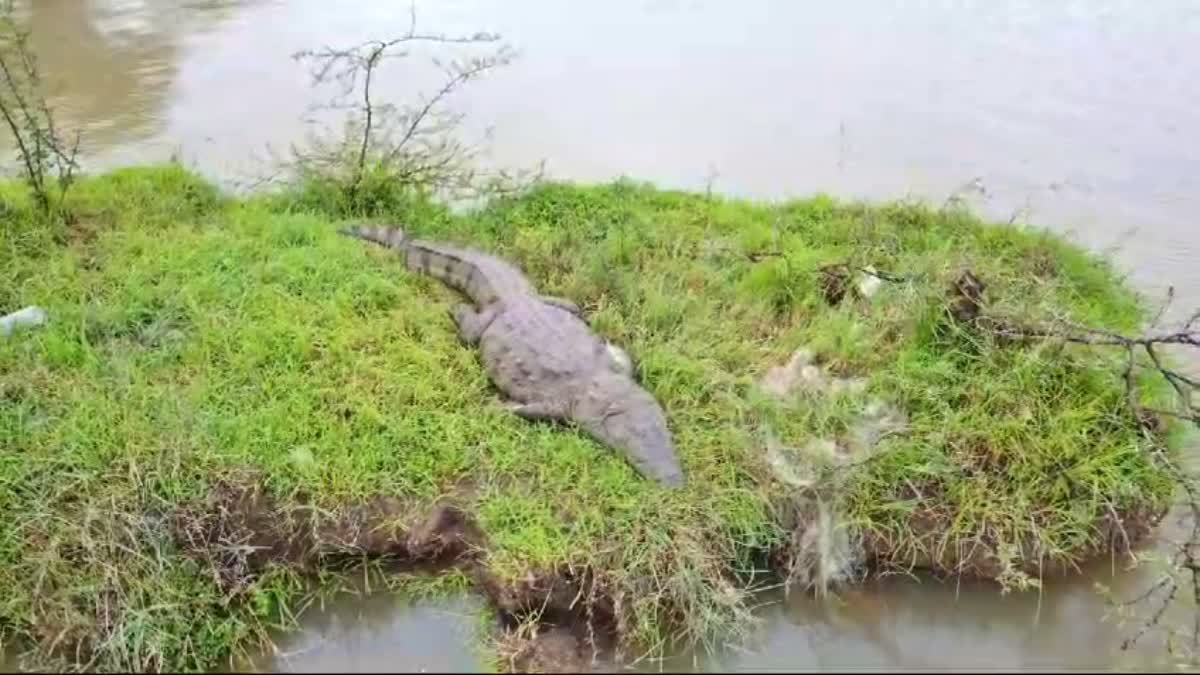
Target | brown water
(1083,115)
(884,625)
(380,633)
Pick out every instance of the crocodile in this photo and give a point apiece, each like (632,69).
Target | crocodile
(541,354)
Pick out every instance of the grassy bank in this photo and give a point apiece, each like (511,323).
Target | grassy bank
(216,366)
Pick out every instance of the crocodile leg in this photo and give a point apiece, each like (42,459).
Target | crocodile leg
(539,411)
(562,303)
(472,324)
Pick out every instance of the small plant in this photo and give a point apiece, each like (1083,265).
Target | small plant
(48,158)
(386,154)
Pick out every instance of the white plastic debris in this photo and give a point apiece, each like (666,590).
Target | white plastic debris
(801,374)
(825,550)
(824,554)
(848,385)
(780,380)
(869,284)
(25,318)
(878,420)
(786,467)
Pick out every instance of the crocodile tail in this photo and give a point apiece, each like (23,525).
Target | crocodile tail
(456,268)
(388,237)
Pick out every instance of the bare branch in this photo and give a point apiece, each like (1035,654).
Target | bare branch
(1154,620)
(1130,383)
(1183,385)
(40,146)
(395,146)
(462,76)
(1183,565)
(1162,309)
(27,156)
(369,111)
(849,266)
(1192,320)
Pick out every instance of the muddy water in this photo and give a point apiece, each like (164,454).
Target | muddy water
(927,625)
(379,632)
(888,624)
(1080,115)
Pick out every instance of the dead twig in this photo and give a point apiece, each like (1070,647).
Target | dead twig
(1184,386)
(49,160)
(1184,560)
(385,146)
(835,278)
(870,271)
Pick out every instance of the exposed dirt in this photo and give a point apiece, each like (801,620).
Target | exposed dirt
(81,233)
(238,530)
(546,650)
(559,621)
(1042,263)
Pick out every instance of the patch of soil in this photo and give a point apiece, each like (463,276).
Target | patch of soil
(553,650)
(82,230)
(14,392)
(1042,263)
(238,530)
(558,621)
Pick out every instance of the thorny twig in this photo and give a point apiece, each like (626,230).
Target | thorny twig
(41,148)
(960,194)
(882,275)
(835,279)
(1184,385)
(1185,557)
(1186,554)
(410,144)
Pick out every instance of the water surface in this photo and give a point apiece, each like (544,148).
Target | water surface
(1085,115)
(380,633)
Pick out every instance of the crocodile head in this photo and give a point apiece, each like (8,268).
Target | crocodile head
(620,414)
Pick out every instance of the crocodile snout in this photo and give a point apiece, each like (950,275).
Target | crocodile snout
(634,424)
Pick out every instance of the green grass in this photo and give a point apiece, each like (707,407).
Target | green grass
(194,336)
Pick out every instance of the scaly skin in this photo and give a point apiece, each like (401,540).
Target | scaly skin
(542,355)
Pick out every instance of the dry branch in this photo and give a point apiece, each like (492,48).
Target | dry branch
(1187,335)
(48,160)
(1184,558)
(408,145)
